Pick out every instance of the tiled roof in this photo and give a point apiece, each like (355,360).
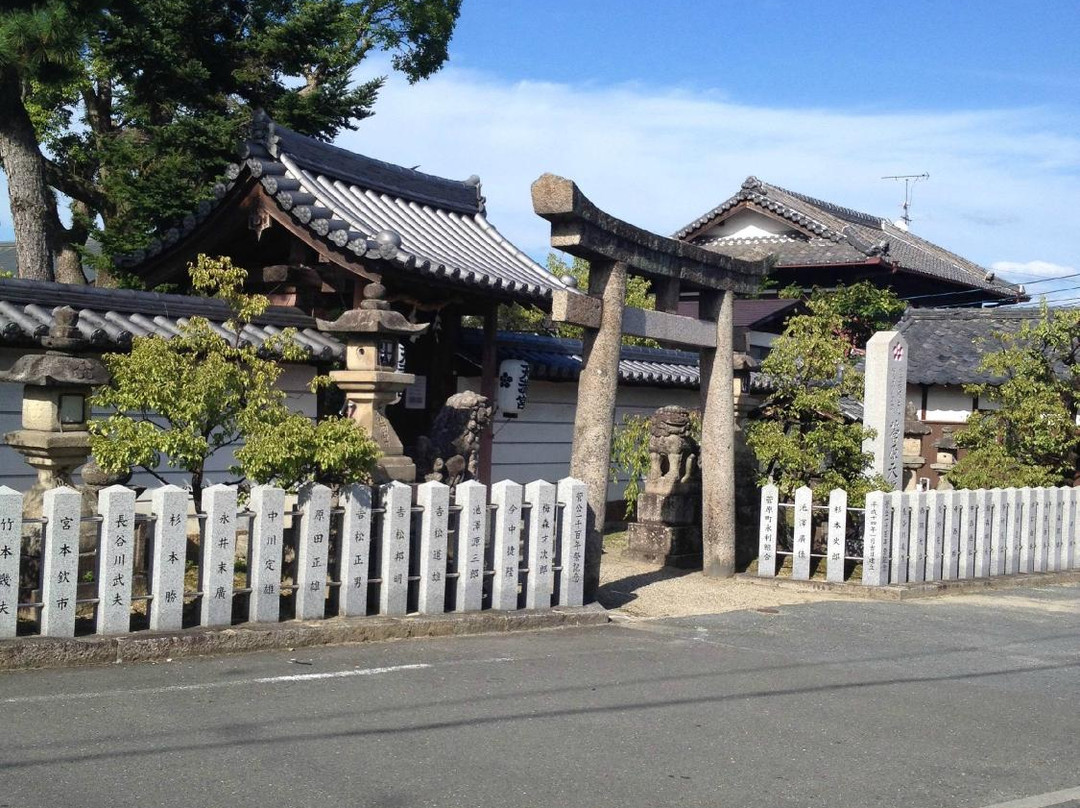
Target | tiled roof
(557,359)
(838,235)
(748,312)
(428,226)
(945,346)
(110,318)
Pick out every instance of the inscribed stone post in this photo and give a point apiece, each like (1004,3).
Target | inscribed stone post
(1043,507)
(571,494)
(10,544)
(267,531)
(969,517)
(983,533)
(116,550)
(999,531)
(354,569)
(901,527)
(169,504)
(800,548)
(434,498)
(1015,540)
(935,527)
(920,517)
(60,561)
(1031,527)
(471,499)
(541,578)
(875,547)
(312,545)
(1072,537)
(1053,552)
(837,553)
(950,547)
(218,555)
(394,567)
(883,404)
(767,544)
(506,498)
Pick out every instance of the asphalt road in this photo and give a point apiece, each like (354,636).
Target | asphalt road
(959,704)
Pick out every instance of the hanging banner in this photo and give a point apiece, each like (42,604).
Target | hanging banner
(513,387)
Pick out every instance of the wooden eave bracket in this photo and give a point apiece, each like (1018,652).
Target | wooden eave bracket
(582,229)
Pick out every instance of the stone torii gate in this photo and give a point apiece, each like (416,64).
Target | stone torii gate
(615,250)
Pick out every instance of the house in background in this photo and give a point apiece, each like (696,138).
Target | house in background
(809,243)
(945,349)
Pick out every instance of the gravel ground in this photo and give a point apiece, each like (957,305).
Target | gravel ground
(635,589)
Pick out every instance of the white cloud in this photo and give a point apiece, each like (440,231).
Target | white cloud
(1002,189)
(1002,182)
(1033,269)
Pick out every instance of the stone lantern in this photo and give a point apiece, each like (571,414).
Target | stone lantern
(947,451)
(54,439)
(371,379)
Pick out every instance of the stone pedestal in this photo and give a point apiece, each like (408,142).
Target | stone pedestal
(670,545)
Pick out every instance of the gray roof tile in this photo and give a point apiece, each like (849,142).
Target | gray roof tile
(348,200)
(945,346)
(111,318)
(556,359)
(840,235)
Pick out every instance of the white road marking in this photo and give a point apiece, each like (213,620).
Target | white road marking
(263,680)
(1041,800)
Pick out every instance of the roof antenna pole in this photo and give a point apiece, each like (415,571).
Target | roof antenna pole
(909,181)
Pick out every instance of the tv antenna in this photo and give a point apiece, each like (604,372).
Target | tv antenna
(909,182)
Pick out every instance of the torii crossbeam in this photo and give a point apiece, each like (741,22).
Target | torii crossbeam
(616,249)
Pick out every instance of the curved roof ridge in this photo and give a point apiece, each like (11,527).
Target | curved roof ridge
(358,169)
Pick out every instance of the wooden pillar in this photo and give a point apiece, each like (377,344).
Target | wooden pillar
(717,440)
(594,419)
(489,371)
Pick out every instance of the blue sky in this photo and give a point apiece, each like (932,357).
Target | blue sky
(660,109)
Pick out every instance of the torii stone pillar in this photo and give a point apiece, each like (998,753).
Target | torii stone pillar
(616,249)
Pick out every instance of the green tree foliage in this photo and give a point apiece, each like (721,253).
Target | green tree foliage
(515,317)
(181,400)
(801,437)
(1032,438)
(155,100)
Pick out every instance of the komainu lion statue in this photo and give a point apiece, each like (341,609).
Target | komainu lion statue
(673,452)
(450,453)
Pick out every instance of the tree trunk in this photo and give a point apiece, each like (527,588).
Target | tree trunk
(32,200)
(65,242)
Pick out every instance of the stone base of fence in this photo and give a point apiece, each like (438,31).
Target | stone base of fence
(910,591)
(48,652)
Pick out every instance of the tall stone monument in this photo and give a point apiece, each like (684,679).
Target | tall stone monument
(884,396)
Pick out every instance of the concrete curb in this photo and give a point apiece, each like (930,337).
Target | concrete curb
(49,652)
(917,590)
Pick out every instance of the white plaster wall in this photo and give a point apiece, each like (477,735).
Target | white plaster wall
(748,224)
(536,445)
(16,474)
(947,404)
